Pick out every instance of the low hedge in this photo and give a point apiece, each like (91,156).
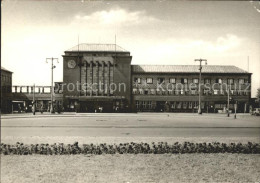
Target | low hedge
(129,148)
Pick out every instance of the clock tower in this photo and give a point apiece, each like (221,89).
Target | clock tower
(97,77)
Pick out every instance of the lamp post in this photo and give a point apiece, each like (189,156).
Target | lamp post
(34,99)
(228,101)
(235,116)
(200,60)
(52,67)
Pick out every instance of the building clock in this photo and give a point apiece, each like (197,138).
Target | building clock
(71,64)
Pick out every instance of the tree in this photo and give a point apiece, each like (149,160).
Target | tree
(258,96)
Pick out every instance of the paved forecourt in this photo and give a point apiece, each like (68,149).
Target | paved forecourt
(112,128)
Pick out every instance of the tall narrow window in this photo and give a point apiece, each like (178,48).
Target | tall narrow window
(172,80)
(160,80)
(241,81)
(230,81)
(137,104)
(207,81)
(184,80)
(219,81)
(149,104)
(196,80)
(137,80)
(149,80)
(144,104)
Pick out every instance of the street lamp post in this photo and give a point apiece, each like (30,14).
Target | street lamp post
(34,109)
(200,60)
(52,67)
(235,116)
(228,101)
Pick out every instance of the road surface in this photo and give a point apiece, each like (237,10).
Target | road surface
(130,125)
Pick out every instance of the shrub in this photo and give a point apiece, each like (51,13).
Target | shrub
(129,148)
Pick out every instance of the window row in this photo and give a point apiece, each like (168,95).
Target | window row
(190,92)
(171,105)
(5,78)
(194,80)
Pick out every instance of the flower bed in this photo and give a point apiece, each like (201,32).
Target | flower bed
(129,148)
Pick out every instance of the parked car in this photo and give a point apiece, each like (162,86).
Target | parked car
(256,111)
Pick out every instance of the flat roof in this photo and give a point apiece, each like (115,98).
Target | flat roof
(96,48)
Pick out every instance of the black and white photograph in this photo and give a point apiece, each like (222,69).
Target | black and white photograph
(131,91)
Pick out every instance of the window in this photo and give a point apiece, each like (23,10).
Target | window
(219,81)
(137,80)
(196,104)
(184,80)
(179,105)
(221,92)
(158,92)
(144,104)
(146,92)
(193,92)
(173,106)
(182,92)
(230,81)
(190,105)
(170,92)
(185,105)
(196,80)
(202,105)
(149,104)
(207,81)
(160,80)
(141,91)
(206,91)
(137,104)
(232,92)
(172,80)
(215,92)
(152,91)
(48,90)
(134,91)
(241,81)
(149,80)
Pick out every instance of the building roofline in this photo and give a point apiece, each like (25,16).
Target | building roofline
(4,69)
(93,47)
(223,69)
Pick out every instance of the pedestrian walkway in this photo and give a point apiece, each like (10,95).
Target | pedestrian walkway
(74,114)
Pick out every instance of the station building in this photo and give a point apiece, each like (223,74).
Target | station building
(101,78)
(6,90)
(175,88)
(101,69)
(97,77)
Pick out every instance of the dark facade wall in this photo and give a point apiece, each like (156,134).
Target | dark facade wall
(6,91)
(70,78)
(122,77)
(99,72)
(211,99)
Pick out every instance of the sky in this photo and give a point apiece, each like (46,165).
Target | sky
(155,32)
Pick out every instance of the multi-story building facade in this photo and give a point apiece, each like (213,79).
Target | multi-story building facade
(175,88)
(171,88)
(6,90)
(97,77)
(100,78)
